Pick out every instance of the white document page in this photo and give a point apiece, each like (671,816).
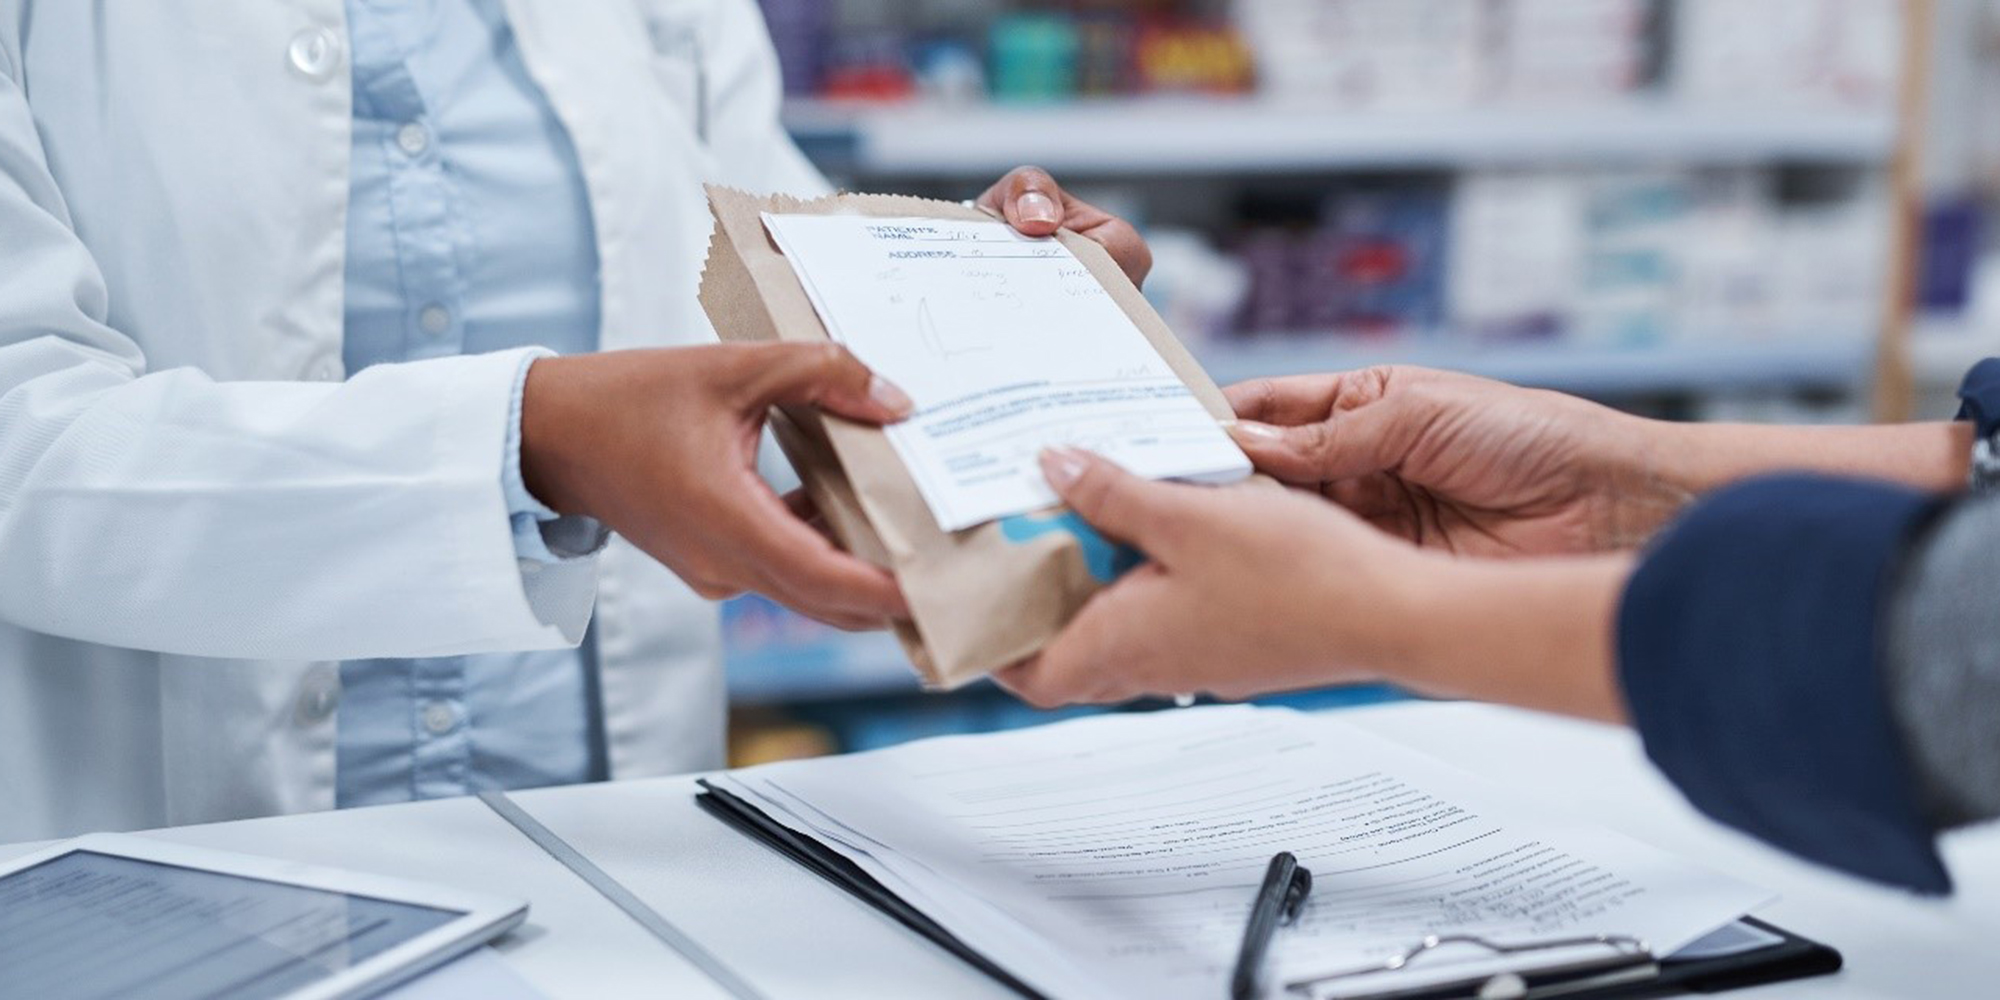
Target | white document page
(1008,345)
(1118,856)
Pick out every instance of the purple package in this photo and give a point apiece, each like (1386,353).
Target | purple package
(1376,268)
(799,32)
(1270,256)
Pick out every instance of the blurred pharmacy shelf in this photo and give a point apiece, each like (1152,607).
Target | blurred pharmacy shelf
(776,657)
(1943,348)
(841,668)
(1184,135)
(1825,361)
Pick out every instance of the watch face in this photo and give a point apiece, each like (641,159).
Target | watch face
(1985,464)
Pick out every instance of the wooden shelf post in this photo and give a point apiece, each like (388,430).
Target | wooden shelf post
(1895,381)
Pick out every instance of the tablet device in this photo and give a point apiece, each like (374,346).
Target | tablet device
(109,916)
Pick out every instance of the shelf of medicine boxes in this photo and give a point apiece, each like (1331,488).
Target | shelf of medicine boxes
(1187,135)
(1838,361)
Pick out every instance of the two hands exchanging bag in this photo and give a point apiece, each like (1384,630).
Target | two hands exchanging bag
(1453,534)
(1249,589)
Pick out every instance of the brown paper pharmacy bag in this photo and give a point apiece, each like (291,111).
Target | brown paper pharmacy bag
(983,597)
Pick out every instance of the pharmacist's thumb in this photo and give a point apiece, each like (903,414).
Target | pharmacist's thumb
(827,376)
(1140,512)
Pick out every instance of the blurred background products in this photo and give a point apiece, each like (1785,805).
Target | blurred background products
(1681,207)
(1359,54)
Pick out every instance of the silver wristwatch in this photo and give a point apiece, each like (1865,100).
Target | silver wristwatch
(1985,474)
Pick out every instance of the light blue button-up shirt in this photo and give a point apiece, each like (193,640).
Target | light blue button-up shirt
(468,230)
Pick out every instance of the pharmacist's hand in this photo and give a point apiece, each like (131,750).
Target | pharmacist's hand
(1247,589)
(1463,464)
(1032,202)
(661,445)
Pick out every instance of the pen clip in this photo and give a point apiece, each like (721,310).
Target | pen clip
(1295,895)
(1279,898)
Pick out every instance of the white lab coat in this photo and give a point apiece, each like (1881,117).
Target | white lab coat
(198,514)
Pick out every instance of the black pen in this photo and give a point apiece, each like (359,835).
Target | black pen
(1278,902)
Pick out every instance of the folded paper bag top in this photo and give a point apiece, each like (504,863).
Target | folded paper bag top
(982,597)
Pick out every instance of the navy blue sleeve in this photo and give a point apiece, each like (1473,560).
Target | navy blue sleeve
(1979,396)
(1749,648)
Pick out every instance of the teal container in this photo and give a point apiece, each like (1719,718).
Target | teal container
(1035,57)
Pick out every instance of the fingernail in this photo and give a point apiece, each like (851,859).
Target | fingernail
(1252,432)
(1062,466)
(1037,207)
(895,400)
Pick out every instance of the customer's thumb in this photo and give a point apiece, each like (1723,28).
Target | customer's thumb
(1343,446)
(1138,511)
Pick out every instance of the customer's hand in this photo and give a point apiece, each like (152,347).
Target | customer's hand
(661,445)
(1252,589)
(1247,589)
(1460,463)
(1031,201)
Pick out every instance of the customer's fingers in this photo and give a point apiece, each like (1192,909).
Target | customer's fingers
(1295,399)
(1033,681)
(1304,399)
(1371,496)
(1155,517)
(1098,657)
(1346,444)
(1384,502)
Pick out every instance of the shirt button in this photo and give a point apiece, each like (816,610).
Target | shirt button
(439,718)
(324,372)
(413,138)
(434,319)
(315,54)
(529,567)
(319,695)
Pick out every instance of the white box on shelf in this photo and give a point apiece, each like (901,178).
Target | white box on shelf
(1367,53)
(1515,254)
(1728,271)
(1841,53)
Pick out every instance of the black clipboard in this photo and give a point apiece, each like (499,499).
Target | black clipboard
(1794,957)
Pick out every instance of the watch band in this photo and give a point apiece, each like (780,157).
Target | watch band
(1985,473)
(1979,402)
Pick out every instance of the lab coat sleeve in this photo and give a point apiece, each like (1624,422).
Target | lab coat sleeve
(162,510)
(746,134)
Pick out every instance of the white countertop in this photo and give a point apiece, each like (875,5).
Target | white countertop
(792,935)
